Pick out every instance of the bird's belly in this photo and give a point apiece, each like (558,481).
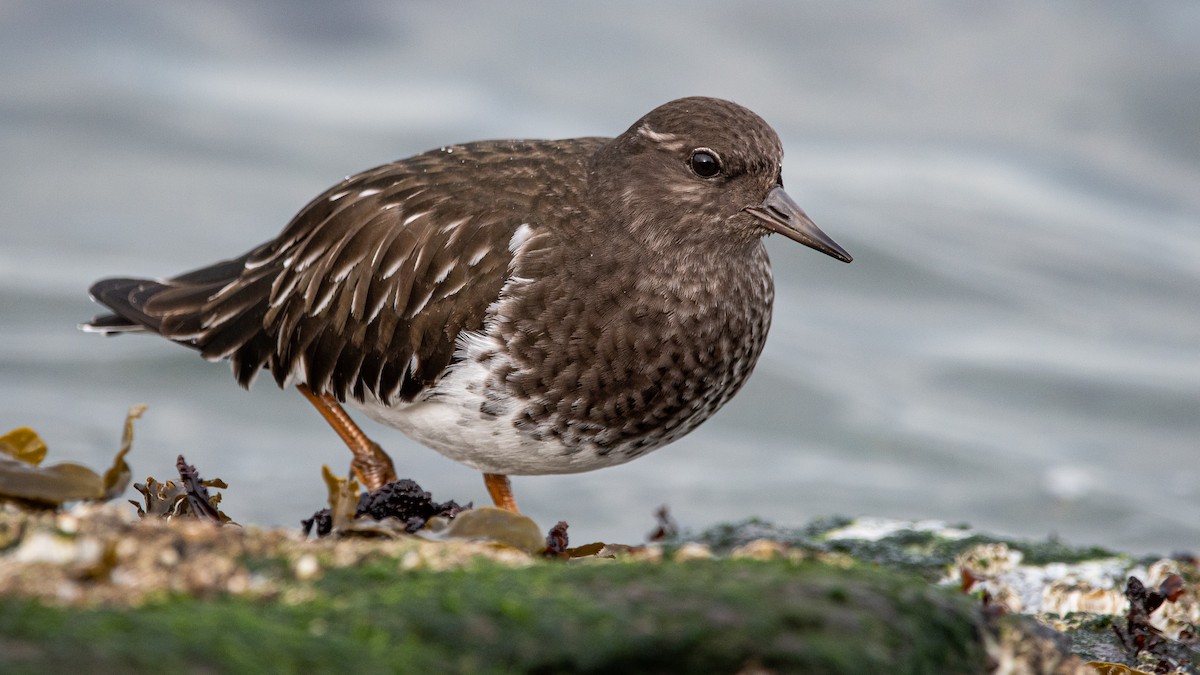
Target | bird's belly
(450,421)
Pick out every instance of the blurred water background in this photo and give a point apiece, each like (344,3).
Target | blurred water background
(1017,344)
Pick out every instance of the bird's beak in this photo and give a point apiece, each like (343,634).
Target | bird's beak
(780,214)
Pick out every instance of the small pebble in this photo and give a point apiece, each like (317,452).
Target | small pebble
(693,551)
(760,549)
(306,567)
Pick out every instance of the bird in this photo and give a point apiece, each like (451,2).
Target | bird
(523,307)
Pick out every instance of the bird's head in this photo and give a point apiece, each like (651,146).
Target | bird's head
(702,171)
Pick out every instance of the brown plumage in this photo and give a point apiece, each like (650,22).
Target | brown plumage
(389,264)
(578,302)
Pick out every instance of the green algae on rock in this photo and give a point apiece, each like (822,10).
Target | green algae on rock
(280,602)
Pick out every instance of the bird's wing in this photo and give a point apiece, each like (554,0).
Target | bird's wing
(366,290)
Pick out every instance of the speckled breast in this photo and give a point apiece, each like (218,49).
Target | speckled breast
(641,362)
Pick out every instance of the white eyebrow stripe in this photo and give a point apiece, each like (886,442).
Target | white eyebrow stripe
(670,141)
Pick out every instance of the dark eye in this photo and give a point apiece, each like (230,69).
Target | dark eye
(704,163)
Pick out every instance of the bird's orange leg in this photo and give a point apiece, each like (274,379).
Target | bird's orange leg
(371,465)
(501,491)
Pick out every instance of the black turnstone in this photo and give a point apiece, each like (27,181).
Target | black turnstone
(523,306)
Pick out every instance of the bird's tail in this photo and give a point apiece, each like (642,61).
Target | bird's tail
(168,307)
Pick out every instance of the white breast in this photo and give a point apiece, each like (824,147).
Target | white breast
(449,419)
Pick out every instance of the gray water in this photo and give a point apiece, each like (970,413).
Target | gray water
(1017,344)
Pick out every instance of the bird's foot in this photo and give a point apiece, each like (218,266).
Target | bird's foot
(372,466)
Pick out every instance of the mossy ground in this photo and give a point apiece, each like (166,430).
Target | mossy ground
(550,617)
(95,589)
